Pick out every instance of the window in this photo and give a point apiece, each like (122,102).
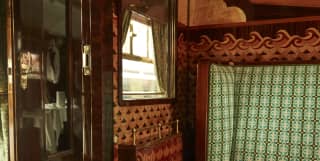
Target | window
(139,71)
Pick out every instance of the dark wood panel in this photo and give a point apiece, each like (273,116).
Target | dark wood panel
(102,77)
(202,111)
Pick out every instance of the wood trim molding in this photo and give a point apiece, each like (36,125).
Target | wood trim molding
(202,99)
(257,23)
(13,155)
(283,47)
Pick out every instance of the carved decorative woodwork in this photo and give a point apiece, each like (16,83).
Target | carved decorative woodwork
(283,47)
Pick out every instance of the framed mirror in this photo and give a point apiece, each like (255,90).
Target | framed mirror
(147,50)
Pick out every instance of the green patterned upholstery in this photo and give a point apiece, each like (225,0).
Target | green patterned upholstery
(264,113)
(220,117)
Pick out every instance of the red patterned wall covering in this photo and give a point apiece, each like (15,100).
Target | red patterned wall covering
(168,150)
(128,117)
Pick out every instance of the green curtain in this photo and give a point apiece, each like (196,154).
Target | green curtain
(160,41)
(125,24)
(276,113)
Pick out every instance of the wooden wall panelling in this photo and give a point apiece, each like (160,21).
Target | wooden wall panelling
(202,101)
(102,94)
(182,102)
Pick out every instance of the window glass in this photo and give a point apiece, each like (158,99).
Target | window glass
(139,78)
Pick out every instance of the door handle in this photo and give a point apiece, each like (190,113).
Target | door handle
(86,60)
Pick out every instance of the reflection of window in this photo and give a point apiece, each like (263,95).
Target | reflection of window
(139,75)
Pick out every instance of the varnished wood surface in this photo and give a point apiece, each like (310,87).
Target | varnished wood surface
(11,104)
(202,112)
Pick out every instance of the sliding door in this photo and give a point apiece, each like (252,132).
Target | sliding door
(50,90)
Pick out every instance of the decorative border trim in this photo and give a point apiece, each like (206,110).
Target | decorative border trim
(283,47)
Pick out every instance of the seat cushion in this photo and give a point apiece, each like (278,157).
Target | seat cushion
(275,112)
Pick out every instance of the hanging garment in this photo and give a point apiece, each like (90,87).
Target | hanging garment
(53,63)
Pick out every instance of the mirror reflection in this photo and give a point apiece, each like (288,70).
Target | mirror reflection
(147,58)
(57,129)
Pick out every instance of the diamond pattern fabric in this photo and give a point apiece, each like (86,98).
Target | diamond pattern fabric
(264,113)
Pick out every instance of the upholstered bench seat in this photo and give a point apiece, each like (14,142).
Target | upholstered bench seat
(264,113)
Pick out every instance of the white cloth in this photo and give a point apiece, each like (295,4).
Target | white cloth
(54,124)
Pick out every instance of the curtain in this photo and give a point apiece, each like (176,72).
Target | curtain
(160,42)
(274,113)
(125,25)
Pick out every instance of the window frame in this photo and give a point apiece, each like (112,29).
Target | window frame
(172,16)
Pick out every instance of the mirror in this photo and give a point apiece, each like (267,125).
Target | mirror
(147,50)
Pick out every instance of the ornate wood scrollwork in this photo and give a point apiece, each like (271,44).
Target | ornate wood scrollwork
(257,49)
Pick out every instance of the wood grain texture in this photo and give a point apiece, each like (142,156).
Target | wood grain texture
(101,81)
(202,111)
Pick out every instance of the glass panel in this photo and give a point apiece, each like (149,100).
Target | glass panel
(139,33)
(56,95)
(76,77)
(3,88)
(49,79)
(139,77)
(147,49)
(29,57)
